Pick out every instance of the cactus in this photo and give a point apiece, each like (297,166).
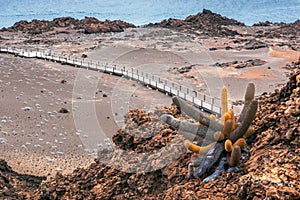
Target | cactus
(249,96)
(233,130)
(235,156)
(196,114)
(213,117)
(224,103)
(231,112)
(298,77)
(227,128)
(249,132)
(245,124)
(228,145)
(185,126)
(241,142)
(197,149)
(219,136)
(226,117)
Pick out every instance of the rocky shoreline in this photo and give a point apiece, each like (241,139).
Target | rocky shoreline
(88,25)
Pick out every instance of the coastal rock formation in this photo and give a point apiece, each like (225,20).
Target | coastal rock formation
(88,24)
(207,23)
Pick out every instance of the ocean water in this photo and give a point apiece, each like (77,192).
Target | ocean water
(141,12)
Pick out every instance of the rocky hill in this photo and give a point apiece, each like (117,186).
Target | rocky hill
(88,25)
(207,23)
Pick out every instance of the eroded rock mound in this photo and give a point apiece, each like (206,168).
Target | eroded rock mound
(241,64)
(207,23)
(16,186)
(88,24)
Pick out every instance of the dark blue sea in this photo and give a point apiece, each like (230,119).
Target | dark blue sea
(142,12)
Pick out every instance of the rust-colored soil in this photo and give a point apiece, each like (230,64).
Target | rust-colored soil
(287,55)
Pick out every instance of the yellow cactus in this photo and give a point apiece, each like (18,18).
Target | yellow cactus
(298,78)
(224,102)
(227,128)
(227,116)
(228,145)
(213,117)
(241,142)
(231,112)
(249,132)
(235,156)
(197,149)
(219,136)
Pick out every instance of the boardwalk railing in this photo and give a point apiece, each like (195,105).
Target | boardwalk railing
(202,101)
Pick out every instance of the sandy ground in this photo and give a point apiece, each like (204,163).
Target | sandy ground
(36,139)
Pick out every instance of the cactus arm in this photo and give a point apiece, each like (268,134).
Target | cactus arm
(241,142)
(196,114)
(231,112)
(224,103)
(197,149)
(249,116)
(249,96)
(249,132)
(219,136)
(235,156)
(227,128)
(228,145)
(185,126)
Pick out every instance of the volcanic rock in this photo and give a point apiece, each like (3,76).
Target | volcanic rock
(207,22)
(88,24)
(16,186)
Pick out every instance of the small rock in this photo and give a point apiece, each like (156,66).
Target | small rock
(63,110)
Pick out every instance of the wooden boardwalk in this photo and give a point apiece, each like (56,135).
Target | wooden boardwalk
(199,100)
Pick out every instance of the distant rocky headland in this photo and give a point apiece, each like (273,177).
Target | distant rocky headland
(206,22)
